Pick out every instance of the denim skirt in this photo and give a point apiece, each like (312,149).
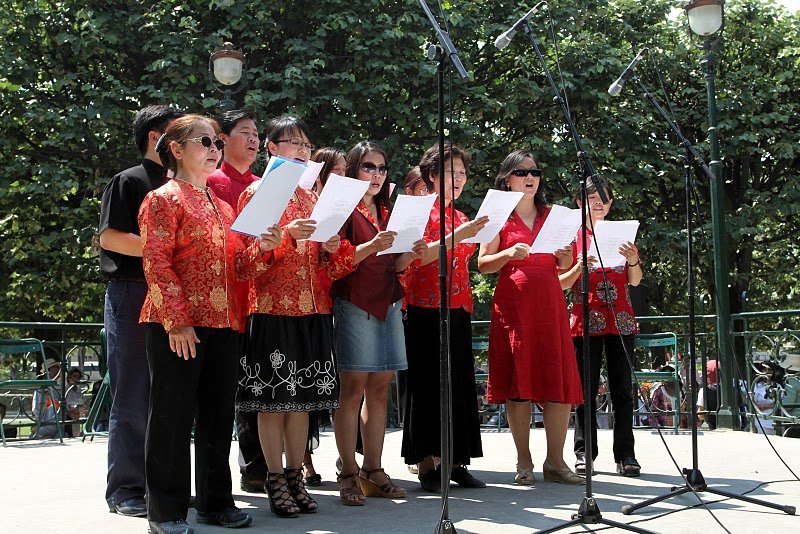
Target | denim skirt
(362,342)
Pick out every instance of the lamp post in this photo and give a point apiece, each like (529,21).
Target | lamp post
(706,18)
(226,70)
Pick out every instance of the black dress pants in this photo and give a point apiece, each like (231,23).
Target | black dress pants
(620,388)
(199,390)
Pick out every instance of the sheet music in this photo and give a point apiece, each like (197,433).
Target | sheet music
(309,177)
(409,219)
(270,199)
(339,198)
(608,237)
(497,205)
(558,230)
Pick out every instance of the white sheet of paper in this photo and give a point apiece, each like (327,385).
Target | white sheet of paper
(309,177)
(339,198)
(270,199)
(409,219)
(609,236)
(558,230)
(497,205)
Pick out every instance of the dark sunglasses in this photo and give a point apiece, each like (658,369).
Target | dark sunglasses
(536,173)
(371,168)
(206,141)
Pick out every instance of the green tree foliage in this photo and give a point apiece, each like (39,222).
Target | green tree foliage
(75,73)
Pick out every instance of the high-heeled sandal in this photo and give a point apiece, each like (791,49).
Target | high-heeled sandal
(563,475)
(281,501)
(312,480)
(385,489)
(524,477)
(350,490)
(297,488)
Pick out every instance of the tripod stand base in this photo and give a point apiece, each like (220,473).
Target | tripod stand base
(589,514)
(696,483)
(445,527)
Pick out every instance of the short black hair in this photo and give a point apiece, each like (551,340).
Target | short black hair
(152,118)
(228,120)
(276,128)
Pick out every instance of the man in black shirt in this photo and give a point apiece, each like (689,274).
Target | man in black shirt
(121,262)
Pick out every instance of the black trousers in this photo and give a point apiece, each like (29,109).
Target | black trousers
(620,388)
(199,390)
(252,464)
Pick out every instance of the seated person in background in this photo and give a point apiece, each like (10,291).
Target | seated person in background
(709,403)
(75,402)
(45,403)
(663,401)
(8,431)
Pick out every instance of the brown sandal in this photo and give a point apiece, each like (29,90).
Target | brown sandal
(350,490)
(386,489)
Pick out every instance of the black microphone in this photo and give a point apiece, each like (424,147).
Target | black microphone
(505,38)
(616,87)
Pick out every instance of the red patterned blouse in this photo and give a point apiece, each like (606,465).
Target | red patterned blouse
(188,256)
(290,279)
(602,294)
(423,280)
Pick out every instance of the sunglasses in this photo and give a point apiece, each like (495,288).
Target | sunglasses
(371,168)
(536,173)
(206,141)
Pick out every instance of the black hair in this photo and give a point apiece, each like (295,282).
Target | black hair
(353,161)
(592,189)
(413,176)
(429,164)
(229,119)
(509,164)
(152,118)
(328,156)
(278,127)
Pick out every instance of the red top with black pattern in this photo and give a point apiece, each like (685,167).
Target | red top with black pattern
(188,257)
(602,295)
(423,280)
(290,279)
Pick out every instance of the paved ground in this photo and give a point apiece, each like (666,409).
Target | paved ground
(47,487)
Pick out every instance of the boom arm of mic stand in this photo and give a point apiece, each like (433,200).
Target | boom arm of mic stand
(698,158)
(447,44)
(586,164)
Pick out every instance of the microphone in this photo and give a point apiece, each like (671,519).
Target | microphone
(616,87)
(505,38)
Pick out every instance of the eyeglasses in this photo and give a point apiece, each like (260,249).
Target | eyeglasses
(371,168)
(298,144)
(536,173)
(206,141)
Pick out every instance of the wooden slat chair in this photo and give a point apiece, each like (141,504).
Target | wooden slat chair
(25,356)
(663,340)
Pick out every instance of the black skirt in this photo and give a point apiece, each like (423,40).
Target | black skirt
(421,424)
(288,365)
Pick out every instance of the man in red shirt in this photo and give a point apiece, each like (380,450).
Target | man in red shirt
(239,131)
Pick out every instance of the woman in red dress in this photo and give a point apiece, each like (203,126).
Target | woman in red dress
(531,358)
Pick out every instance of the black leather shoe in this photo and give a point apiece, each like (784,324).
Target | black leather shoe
(133,507)
(431,481)
(229,518)
(170,527)
(252,485)
(464,478)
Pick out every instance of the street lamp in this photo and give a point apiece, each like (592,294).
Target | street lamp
(706,18)
(227,72)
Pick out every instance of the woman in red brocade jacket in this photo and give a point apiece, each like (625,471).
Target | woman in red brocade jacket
(612,329)
(421,438)
(288,367)
(192,317)
(368,332)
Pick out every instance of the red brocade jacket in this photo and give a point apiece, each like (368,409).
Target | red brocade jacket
(188,257)
(290,280)
(422,281)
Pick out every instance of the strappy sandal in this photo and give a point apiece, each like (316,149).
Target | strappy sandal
(629,467)
(297,488)
(385,489)
(564,475)
(350,490)
(281,501)
(524,477)
(312,480)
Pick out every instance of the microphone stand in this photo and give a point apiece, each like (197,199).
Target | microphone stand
(588,511)
(443,53)
(692,478)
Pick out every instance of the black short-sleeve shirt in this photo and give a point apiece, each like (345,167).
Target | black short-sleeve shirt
(120,210)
